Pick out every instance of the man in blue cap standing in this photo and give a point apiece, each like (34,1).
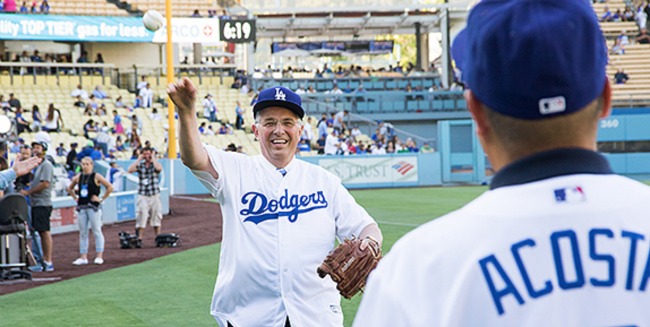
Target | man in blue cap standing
(281,217)
(559,239)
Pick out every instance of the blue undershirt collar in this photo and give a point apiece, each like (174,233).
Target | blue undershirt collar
(549,164)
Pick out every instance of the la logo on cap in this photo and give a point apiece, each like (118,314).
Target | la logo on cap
(279,95)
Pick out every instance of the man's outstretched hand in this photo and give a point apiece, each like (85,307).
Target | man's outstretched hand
(25,166)
(183,94)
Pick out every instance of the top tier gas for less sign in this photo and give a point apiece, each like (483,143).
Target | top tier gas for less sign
(103,29)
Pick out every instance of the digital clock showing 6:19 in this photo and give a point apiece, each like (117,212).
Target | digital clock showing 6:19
(237,30)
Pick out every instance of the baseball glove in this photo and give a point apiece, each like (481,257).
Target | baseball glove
(349,266)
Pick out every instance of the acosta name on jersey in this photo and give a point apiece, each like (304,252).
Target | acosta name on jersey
(260,208)
(569,258)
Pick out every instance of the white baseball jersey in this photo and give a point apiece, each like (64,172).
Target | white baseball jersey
(558,241)
(276,231)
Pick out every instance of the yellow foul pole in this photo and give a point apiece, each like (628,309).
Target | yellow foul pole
(169,47)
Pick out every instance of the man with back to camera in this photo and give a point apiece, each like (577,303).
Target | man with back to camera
(277,229)
(40,198)
(559,240)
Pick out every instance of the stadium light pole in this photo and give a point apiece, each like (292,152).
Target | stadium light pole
(171,119)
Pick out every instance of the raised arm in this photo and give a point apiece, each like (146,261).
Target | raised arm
(183,94)
(134,165)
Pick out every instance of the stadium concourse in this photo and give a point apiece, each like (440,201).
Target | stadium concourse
(189,219)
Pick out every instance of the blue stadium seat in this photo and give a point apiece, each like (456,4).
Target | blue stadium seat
(321,86)
(362,107)
(416,82)
(343,84)
(391,84)
(411,105)
(402,83)
(437,105)
(376,85)
(354,84)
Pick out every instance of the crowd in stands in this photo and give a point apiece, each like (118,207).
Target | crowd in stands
(332,136)
(10,6)
(38,57)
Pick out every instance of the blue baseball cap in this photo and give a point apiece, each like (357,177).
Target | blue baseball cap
(532,59)
(279,96)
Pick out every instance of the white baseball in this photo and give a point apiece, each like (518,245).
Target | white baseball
(153,20)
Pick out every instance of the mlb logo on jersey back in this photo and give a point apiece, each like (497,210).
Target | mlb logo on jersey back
(570,194)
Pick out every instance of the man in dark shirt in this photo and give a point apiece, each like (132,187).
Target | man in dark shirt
(71,157)
(642,38)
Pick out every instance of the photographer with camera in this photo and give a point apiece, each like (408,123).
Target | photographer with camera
(148,203)
(89,209)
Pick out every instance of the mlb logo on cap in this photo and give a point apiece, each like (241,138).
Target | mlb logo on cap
(279,96)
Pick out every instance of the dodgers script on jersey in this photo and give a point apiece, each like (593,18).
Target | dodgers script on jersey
(563,251)
(276,231)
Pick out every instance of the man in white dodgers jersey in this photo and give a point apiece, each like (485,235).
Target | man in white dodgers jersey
(281,217)
(559,240)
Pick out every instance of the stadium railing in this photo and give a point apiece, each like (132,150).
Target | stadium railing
(383,102)
(350,83)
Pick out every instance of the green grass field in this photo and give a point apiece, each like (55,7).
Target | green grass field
(176,290)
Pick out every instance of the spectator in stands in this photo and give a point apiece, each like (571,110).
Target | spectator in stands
(322,126)
(71,157)
(355,132)
(61,151)
(223,129)
(239,111)
(203,128)
(13,101)
(643,37)
(607,15)
(10,6)
(83,58)
(88,111)
(209,108)
(426,148)
(21,123)
(620,77)
(390,147)
(16,145)
(147,96)
(34,8)
(118,128)
(138,101)
(311,90)
(623,38)
(307,133)
(92,102)
(114,176)
(37,119)
(143,82)
(332,143)
(411,145)
(53,120)
(86,151)
(628,14)
(103,139)
(101,111)
(79,102)
(23,8)
(25,58)
(4,104)
(45,7)
(119,103)
(196,13)
(360,93)
(154,115)
(336,92)
(618,47)
(119,144)
(99,93)
(641,17)
(210,131)
(136,124)
(99,59)
(88,127)
(339,121)
(301,90)
(79,91)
